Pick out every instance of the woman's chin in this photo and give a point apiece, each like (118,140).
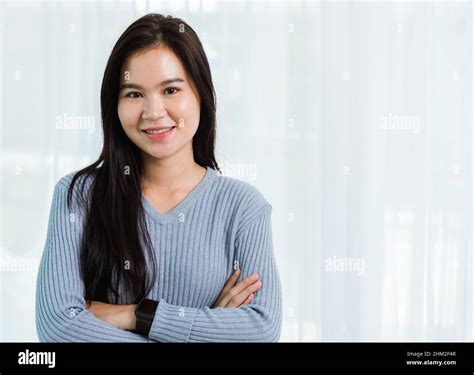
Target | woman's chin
(162,153)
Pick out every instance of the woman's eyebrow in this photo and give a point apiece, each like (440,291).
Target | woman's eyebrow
(129,85)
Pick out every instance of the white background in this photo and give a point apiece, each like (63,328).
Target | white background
(354,119)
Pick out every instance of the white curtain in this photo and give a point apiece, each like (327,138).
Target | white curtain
(354,119)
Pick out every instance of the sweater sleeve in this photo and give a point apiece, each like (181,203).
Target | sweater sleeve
(258,321)
(61,315)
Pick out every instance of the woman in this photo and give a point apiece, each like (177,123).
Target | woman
(148,244)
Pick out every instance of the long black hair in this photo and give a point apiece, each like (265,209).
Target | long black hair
(114,225)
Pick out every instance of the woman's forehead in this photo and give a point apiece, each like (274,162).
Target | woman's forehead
(158,64)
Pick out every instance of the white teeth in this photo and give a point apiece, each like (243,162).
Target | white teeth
(157,131)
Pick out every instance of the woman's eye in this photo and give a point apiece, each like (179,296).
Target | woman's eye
(171,88)
(133,94)
(168,91)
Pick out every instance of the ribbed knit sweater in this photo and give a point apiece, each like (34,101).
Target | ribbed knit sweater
(222,221)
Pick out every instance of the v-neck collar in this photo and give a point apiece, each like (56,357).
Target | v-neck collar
(175,214)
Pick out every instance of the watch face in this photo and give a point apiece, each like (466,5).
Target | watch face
(147,307)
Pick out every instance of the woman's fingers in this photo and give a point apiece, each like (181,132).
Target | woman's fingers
(241,291)
(242,297)
(239,294)
(229,284)
(248,300)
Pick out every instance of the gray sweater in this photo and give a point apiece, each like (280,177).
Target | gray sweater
(221,222)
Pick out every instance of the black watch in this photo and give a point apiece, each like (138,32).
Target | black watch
(145,312)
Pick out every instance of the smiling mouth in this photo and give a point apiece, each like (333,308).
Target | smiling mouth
(158,131)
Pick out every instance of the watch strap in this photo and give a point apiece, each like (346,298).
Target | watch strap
(145,313)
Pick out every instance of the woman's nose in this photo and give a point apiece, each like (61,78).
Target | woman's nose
(153,108)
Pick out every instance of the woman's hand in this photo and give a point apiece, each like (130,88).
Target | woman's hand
(238,295)
(120,316)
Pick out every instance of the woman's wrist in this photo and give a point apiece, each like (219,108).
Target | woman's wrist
(130,318)
(120,316)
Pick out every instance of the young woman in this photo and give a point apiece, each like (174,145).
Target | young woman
(151,243)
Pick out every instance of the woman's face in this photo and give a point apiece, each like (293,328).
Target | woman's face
(156,92)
